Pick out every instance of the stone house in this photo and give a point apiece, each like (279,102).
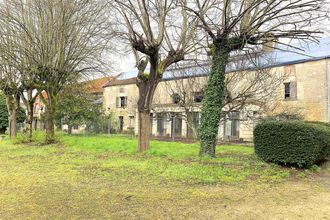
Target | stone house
(303,88)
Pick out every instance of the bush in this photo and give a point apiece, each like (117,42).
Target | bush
(293,143)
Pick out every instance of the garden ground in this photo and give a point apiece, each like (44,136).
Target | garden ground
(102,177)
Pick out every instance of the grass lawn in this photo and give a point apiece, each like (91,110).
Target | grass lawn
(103,177)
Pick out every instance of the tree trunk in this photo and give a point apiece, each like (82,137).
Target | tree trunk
(147,89)
(69,129)
(12,124)
(144,131)
(212,102)
(50,119)
(12,107)
(29,120)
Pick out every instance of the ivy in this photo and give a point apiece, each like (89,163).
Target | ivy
(144,76)
(160,69)
(212,102)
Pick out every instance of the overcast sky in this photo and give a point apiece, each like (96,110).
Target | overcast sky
(126,62)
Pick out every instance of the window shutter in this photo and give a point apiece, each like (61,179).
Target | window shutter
(125,101)
(117,102)
(293,90)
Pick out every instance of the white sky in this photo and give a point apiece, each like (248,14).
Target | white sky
(126,62)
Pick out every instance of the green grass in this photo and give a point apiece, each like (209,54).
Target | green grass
(93,177)
(116,157)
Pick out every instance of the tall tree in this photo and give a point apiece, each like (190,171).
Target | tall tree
(66,38)
(234,26)
(10,83)
(16,54)
(160,33)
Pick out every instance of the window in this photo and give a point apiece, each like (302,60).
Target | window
(121,102)
(131,122)
(176,98)
(232,125)
(198,96)
(287,90)
(161,124)
(290,90)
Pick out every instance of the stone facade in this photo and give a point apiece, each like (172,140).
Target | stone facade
(304,90)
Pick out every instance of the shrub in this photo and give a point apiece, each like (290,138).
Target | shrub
(293,143)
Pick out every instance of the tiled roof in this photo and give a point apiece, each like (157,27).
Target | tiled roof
(96,85)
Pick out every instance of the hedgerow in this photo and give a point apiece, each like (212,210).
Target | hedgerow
(294,143)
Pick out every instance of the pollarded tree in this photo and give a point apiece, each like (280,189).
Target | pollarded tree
(160,33)
(19,77)
(66,39)
(234,26)
(10,84)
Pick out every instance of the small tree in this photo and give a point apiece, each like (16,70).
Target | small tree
(75,107)
(235,26)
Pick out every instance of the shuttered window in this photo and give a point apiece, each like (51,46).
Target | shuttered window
(121,102)
(293,89)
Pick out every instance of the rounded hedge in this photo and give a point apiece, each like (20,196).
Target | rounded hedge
(293,143)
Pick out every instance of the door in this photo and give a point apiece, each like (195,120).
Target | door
(121,123)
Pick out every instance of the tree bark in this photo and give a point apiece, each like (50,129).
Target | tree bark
(50,119)
(29,101)
(69,129)
(144,131)
(12,106)
(147,87)
(212,102)
(29,119)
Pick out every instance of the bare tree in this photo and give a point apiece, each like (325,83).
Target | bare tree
(64,39)
(182,85)
(160,33)
(249,84)
(17,64)
(10,77)
(233,26)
